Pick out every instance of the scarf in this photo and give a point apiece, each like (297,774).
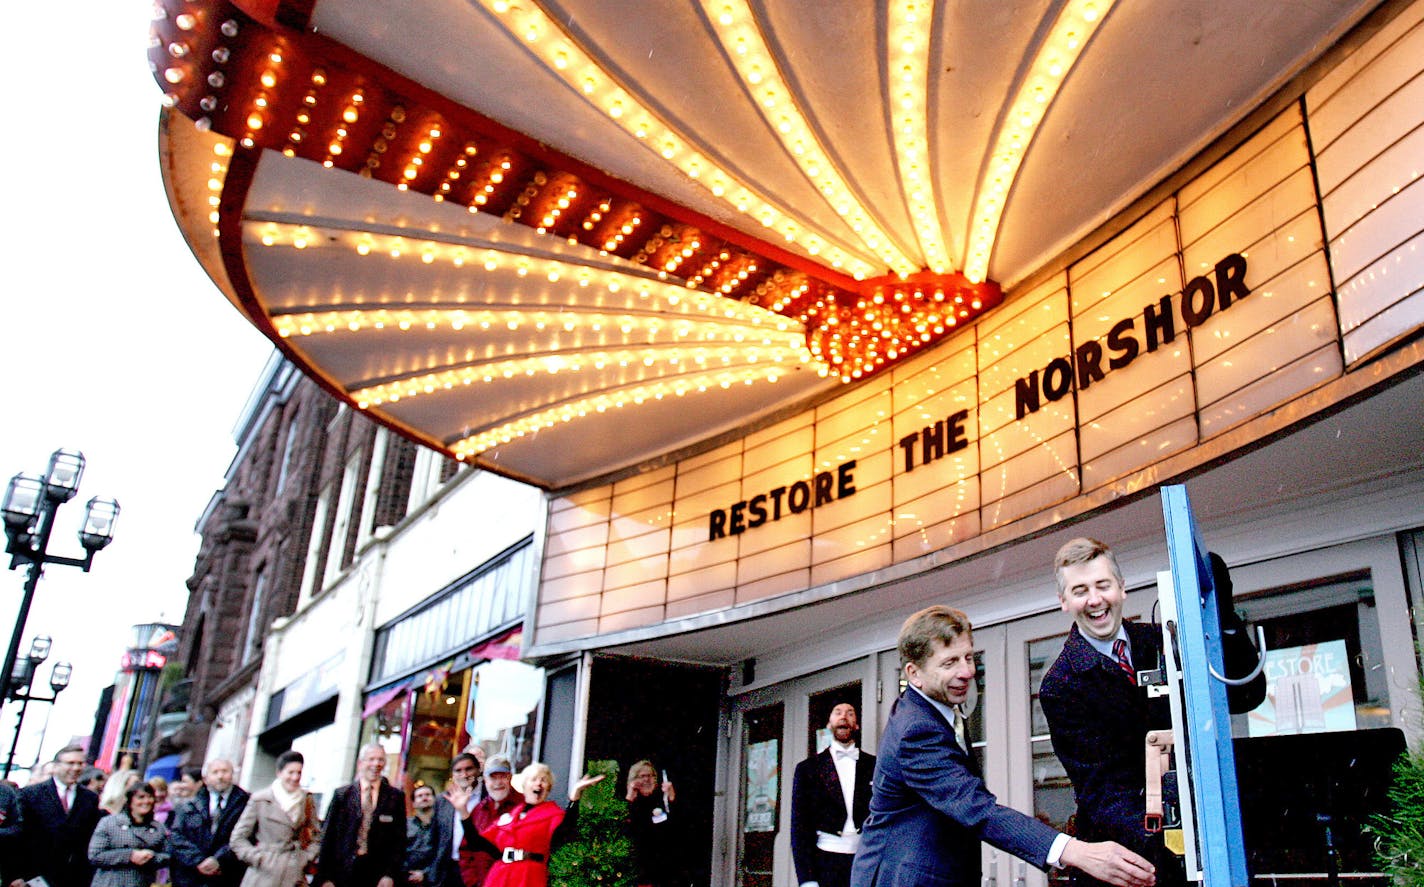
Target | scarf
(290,802)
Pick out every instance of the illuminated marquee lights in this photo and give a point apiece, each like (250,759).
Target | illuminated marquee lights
(475,444)
(658,298)
(908,50)
(545,38)
(277,90)
(1050,67)
(736,27)
(674,357)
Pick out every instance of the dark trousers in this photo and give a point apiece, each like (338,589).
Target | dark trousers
(833,869)
(365,872)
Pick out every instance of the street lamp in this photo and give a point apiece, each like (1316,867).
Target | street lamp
(29,509)
(22,675)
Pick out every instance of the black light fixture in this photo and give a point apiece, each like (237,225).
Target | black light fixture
(22,674)
(29,509)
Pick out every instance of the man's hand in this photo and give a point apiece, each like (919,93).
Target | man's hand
(18,882)
(415,877)
(1109,861)
(386,881)
(139,857)
(209,867)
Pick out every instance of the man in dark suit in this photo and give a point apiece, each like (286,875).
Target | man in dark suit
(58,817)
(364,841)
(201,829)
(1098,717)
(9,833)
(830,797)
(930,809)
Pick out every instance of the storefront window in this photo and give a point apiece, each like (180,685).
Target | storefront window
(493,705)
(1325,669)
(502,709)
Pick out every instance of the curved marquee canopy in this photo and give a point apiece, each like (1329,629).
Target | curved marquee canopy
(560,238)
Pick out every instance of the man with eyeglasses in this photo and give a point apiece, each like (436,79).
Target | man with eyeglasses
(58,817)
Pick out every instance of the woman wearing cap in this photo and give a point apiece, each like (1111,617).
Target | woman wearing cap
(527,835)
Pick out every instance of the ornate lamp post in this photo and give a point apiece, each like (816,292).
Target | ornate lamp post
(29,509)
(22,676)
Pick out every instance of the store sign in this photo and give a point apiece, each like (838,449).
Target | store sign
(1088,363)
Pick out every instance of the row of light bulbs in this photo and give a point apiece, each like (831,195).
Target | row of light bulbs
(474,444)
(655,298)
(908,52)
(736,27)
(1057,55)
(548,40)
(673,359)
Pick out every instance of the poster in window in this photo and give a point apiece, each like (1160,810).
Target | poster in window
(763,785)
(1308,690)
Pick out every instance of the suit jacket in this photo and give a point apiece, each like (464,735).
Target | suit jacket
(55,844)
(385,840)
(9,833)
(929,809)
(194,839)
(1098,720)
(818,805)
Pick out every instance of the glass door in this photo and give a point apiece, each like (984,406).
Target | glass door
(760,783)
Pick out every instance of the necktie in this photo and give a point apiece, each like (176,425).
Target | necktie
(368,805)
(218,814)
(64,799)
(848,754)
(1120,651)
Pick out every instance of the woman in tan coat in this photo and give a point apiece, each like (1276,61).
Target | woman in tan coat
(278,835)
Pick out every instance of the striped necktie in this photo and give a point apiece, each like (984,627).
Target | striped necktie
(1120,651)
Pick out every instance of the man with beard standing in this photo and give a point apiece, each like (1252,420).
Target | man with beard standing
(499,799)
(830,797)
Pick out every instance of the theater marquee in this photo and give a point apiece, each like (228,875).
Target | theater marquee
(1209,310)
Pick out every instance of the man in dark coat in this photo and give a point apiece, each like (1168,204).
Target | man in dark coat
(58,818)
(200,830)
(830,797)
(363,844)
(9,833)
(930,810)
(1098,717)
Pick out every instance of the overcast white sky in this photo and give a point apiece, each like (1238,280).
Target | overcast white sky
(114,342)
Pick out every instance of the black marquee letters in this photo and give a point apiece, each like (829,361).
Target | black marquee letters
(1201,297)
(1089,362)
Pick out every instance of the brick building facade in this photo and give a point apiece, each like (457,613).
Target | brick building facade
(261,553)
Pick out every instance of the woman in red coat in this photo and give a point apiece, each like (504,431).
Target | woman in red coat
(527,835)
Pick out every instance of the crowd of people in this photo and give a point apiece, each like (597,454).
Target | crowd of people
(912,815)
(80,827)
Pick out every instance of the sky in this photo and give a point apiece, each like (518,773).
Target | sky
(113,342)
